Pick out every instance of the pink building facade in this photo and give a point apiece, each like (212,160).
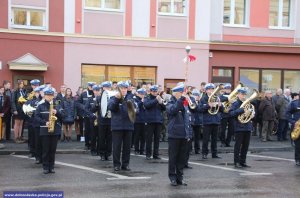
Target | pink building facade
(76,41)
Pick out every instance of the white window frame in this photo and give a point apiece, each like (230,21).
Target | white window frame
(103,7)
(28,9)
(186,5)
(280,16)
(232,15)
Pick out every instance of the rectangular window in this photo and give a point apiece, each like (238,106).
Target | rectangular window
(250,78)
(222,72)
(92,73)
(271,80)
(280,13)
(235,12)
(103,4)
(292,79)
(29,18)
(171,7)
(100,73)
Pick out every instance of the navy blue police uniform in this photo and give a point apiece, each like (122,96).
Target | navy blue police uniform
(122,129)
(179,133)
(211,125)
(139,125)
(226,122)
(154,120)
(293,115)
(49,140)
(242,132)
(85,99)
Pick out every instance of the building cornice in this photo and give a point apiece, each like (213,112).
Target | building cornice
(215,45)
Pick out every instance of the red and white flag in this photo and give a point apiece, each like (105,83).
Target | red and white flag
(190,58)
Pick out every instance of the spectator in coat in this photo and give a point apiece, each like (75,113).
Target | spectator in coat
(281,107)
(268,112)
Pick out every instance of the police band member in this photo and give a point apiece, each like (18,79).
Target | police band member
(154,106)
(211,123)
(180,133)
(293,115)
(122,128)
(197,120)
(45,114)
(86,98)
(242,131)
(32,103)
(139,125)
(104,127)
(37,137)
(90,108)
(226,122)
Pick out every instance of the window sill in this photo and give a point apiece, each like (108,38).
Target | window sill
(236,26)
(171,14)
(281,28)
(103,9)
(28,27)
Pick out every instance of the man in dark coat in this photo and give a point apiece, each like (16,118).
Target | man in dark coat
(122,127)
(268,112)
(49,138)
(242,131)
(180,133)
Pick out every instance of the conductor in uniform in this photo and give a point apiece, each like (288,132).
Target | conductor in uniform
(180,133)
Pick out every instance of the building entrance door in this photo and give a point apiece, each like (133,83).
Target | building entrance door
(26,80)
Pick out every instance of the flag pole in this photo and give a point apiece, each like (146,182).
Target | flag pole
(187,50)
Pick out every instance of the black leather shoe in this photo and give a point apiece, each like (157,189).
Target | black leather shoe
(126,168)
(216,156)
(173,183)
(227,145)
(107,158)
(157,158)
(187,166)
(46,171)
(183,183)
(204,156)
(197,152)
(116,168)
(237,165)
(51,170)
(148,158)
(244,165)
(102,158)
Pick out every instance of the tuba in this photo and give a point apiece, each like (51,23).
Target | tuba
(232,96)
(52,118)
(213,98)
(295,134)
(249,109)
